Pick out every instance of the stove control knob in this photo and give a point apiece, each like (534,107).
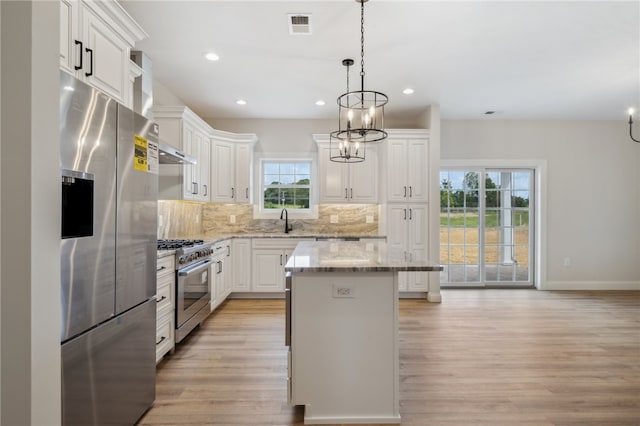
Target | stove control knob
(181,260)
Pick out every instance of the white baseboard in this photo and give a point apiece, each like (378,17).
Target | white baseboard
(591,285)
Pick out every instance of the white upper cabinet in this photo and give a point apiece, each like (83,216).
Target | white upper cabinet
(183,129)
(407,170)
(347,182)
(96,38)
(232,167)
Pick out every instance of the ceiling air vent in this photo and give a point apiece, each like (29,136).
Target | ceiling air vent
(299,23)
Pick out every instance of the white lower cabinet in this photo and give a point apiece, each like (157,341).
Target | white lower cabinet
(221,273)
(269,256)
(241,264)
(407,232)
(165,306)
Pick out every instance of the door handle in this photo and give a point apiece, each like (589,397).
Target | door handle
(352,193)
(346,194)
(280,260)
(90,73)
(246,191)
(77,67)
(195,188)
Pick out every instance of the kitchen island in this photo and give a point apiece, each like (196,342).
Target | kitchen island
(342,329)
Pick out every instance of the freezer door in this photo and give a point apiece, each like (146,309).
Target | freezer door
(137,213)
(87,147)
(108,373)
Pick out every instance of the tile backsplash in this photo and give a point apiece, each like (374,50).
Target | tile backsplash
(184,219)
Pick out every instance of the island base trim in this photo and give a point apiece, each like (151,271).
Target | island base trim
(324,420)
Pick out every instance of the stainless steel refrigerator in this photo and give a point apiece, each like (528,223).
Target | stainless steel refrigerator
(108,161)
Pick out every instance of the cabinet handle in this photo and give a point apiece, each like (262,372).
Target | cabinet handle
(161,299)
(405,214)
(286,258)
(410,191)
(352,193)
(246,191)
(219,267)
(228,251)
(160,268)
(90,73)
(205,190)
(346,194)
(410,214)
(162,339)
(280,260)
(405,191)
(233,193)
(195,188)
(77,67)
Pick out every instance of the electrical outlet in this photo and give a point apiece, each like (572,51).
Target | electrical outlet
(345,291)
(197,218)
(232,218)
(369,218)
(333,218)
(567,261)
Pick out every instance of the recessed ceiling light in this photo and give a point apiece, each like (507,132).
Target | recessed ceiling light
(211,56)
(241,102)
(320,102)
(69,88)
(408,91)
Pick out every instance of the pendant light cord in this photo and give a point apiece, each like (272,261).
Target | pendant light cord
(362,45)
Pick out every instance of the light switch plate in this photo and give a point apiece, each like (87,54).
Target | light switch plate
(232,218)
(369,218)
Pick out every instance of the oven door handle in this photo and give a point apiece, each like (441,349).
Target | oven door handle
(194,268)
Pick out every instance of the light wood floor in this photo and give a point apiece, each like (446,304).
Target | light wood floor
(493,357)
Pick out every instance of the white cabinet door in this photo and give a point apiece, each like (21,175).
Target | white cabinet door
(189,182)
(223,190)
(241,259)
(407,232)
(69,48)
(396,170)
(407,170)
(418,246)
(106,57)
(268,270)
(417,170)
(205,168)
(243,175)
(213,283)
(363,178)
(334,186)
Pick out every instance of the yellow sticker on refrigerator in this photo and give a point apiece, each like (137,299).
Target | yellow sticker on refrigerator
(140,153)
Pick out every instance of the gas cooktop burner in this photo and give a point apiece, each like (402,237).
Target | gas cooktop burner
(176,244)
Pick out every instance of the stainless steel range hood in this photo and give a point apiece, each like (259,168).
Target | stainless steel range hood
(171,155)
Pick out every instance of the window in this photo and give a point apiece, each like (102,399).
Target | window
(286,184)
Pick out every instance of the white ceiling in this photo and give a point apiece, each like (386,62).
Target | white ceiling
(525,60)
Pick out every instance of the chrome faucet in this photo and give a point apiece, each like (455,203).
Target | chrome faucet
(285,213)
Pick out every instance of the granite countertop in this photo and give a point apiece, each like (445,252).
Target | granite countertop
(353,256)
(218,238)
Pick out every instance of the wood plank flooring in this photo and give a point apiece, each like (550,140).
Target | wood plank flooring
(481,357)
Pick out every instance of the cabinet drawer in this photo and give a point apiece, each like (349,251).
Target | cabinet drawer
(164,297)
(165,266)
(164,336)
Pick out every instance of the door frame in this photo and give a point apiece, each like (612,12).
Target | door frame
(540,203)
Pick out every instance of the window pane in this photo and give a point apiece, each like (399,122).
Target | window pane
(303,179)
(271,168)
(287,179)
(287,168)
(303,168)
(271,179)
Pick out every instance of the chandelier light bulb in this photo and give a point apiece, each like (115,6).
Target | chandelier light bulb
(631,111)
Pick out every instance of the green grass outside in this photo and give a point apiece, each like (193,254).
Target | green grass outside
(492,219)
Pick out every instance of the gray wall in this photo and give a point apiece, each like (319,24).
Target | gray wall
(592,198)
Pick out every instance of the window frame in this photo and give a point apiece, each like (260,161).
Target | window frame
(260,212)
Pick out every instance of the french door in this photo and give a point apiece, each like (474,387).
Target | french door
(486,227)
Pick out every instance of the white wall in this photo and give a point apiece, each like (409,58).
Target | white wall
(30,222)
(593,192)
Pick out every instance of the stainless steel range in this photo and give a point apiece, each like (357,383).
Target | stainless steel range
(193,282)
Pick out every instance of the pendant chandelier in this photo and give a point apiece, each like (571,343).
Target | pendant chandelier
(346,150)
(360,112)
